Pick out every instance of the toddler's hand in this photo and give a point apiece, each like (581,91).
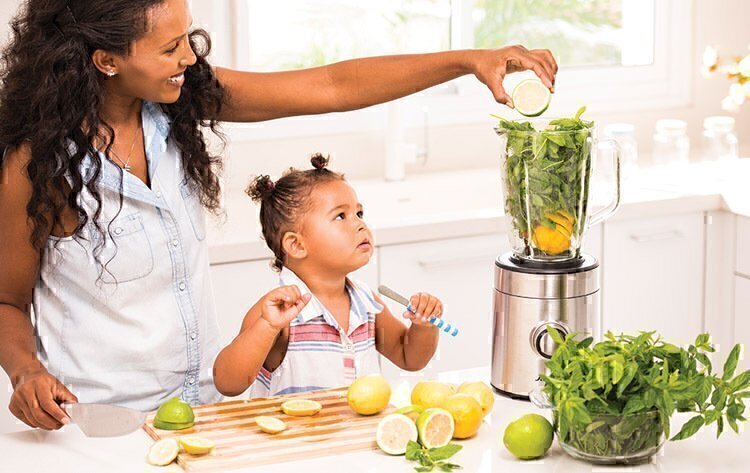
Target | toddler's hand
(281,305)
(424,307)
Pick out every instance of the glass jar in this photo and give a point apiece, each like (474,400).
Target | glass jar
(720,142)
(624,134)
(671,142)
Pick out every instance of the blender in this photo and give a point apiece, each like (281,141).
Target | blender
(546,279)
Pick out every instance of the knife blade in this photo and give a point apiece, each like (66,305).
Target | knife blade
(104,420)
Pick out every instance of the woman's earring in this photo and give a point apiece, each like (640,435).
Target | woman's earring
(111,73)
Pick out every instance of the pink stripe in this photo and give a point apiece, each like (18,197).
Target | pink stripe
(316,337)
(363,332)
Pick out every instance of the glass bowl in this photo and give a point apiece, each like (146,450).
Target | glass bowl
(615,439)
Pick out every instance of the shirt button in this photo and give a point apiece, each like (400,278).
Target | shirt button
(193,335)
(118,230)
(191,380)
(158,194)
(175,242)
(182,286)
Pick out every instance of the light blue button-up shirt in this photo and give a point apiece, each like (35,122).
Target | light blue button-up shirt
(144,329)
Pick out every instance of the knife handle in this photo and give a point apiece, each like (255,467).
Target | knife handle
(437,322)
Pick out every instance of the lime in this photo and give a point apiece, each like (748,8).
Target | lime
(301,407)
(196,445)
(394,433)
(159,424)
(369,395)
(528,437)
(163,452)
(270,425)
(435,427)
(531,98)
(175,411)
(412,412)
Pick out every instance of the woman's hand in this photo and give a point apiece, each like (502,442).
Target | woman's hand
(281,305)
(36,400)
(423,307)
(491,66)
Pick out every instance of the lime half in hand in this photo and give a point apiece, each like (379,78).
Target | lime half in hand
(531,98)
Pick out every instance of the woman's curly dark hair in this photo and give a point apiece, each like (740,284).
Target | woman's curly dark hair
(51,93)
(283,201)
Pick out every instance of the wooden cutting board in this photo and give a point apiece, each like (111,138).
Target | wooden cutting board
(240,443)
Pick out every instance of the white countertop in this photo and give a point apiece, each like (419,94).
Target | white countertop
(68,450)
(464,203)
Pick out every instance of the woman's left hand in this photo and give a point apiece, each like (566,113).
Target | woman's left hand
(491,66)
(425,306)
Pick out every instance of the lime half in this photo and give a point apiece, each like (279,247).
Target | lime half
(531,98)
(435,427)
(394,433)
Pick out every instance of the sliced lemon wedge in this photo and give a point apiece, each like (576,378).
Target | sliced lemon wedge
(270,425)
(196,445)
(163,452)
(301,407)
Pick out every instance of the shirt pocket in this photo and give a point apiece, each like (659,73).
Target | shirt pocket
(126,254)
(194,209)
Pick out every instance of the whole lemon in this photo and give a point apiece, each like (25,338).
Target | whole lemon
(481,392)
(430,394)
(466,413)
(528,437)
(369,394)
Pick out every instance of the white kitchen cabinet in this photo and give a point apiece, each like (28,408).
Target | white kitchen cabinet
(742,319)
(460,273)
(742,264)
(652,277)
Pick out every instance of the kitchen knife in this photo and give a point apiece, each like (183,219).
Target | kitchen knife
(437,322)
(104,420)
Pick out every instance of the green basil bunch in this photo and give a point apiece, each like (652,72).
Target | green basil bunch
(616,397)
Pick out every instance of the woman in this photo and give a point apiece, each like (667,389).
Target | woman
(104,173)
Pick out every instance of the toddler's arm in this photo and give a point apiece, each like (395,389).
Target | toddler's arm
(409,348)
(238,364)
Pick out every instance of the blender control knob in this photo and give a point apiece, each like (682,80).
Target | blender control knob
(541,342)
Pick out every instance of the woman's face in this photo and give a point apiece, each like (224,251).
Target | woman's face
(154,68)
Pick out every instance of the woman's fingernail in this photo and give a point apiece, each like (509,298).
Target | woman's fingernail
(65,421)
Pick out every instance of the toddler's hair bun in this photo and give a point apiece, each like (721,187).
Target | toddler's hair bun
(261,188)
(319,161)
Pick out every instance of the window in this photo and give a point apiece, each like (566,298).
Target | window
(294,34)
(614,54)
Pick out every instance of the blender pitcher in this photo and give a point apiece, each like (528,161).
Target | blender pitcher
(546,171)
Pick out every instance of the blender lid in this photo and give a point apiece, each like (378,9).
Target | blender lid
(510,262)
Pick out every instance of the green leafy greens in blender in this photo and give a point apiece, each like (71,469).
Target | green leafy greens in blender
(616,397)
(546,175)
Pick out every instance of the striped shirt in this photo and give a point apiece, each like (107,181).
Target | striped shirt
(320,354)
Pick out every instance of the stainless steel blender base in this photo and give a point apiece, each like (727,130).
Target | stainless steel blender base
(527,301)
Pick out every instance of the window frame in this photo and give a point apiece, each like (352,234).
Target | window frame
(666,83)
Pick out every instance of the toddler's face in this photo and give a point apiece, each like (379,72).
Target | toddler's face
(335,234)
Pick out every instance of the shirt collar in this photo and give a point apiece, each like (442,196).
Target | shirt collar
(362,303)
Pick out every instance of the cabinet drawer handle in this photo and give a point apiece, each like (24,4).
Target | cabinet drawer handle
(436,263)
(674,234)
